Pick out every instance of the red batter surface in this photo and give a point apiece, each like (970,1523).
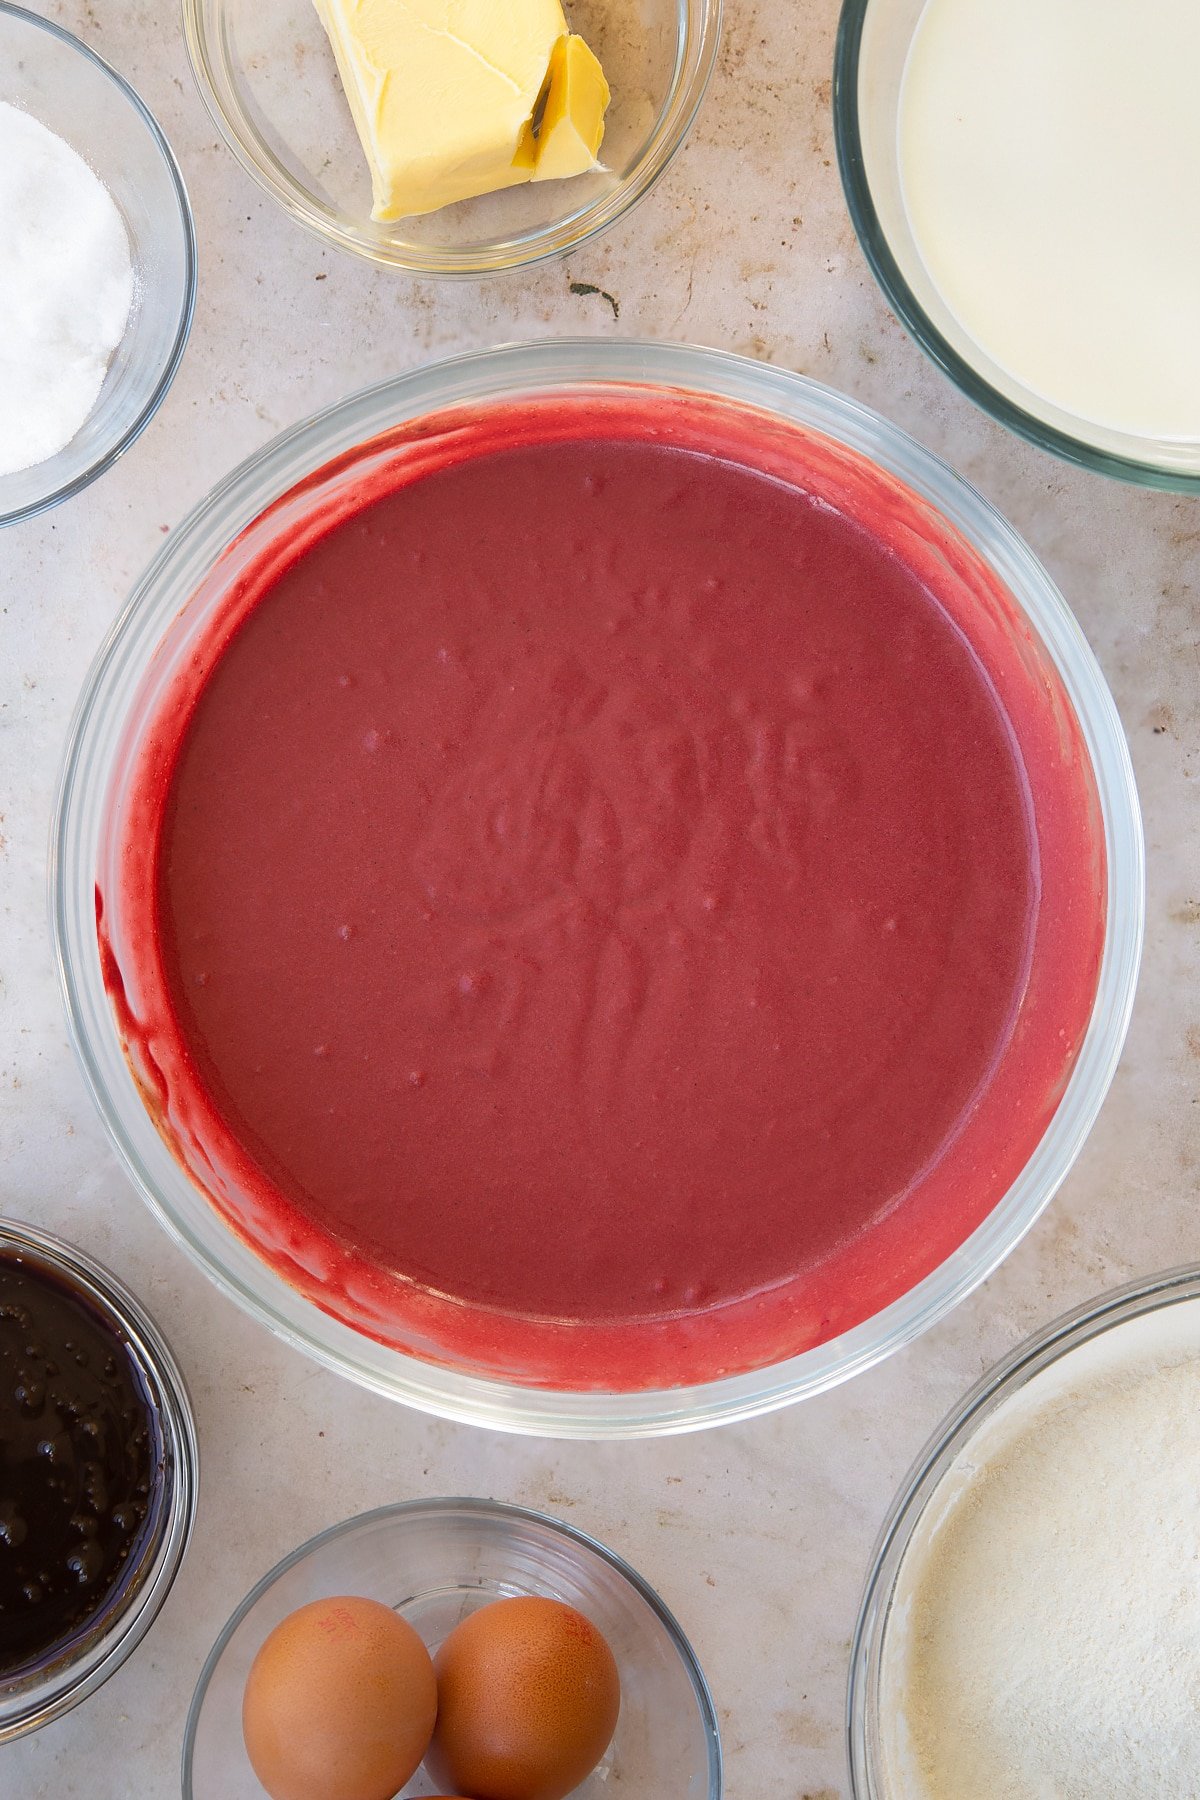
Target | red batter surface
(580,879)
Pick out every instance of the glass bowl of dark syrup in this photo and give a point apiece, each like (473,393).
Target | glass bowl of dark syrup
(97,1476)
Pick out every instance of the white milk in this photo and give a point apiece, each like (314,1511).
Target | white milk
(1050,162)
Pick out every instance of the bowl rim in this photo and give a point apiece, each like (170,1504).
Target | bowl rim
(508,372)
(64,1688)
(105,460)
(1028,1359)
(900,297)
(498,256)
(480,1508)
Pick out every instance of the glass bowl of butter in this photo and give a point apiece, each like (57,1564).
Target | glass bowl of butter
(454,137)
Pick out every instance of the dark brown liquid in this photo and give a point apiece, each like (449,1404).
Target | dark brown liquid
(80,1452)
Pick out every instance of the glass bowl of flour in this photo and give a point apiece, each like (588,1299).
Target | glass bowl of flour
(97,265)
(1031,1625)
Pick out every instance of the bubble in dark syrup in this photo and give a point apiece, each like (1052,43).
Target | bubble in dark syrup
(80,1455)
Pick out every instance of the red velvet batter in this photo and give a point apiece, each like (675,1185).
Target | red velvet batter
(603,883)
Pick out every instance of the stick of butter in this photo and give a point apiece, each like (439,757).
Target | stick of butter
(454,98)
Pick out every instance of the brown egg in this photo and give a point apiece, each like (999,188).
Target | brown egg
(339,1703)
(528,1697)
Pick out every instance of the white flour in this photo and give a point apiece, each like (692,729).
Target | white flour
(1045,1643)
(66,287)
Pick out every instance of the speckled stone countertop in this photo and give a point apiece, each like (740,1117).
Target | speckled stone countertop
(758,1536)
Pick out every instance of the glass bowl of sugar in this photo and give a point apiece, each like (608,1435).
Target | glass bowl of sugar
(97,265)
(1021,177)
(1031,1623)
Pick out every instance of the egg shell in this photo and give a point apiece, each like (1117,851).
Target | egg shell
(339,1703)
(528,1699)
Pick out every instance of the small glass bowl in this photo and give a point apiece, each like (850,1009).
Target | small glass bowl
(874,37)
(169,605)
(99,1650)
(267,75)
(435,1561)
(69,89)
(865,1721)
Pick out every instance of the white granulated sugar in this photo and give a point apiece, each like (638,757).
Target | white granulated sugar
(1045,1636)
(66,287)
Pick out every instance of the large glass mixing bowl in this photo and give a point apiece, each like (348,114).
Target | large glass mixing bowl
(159,624)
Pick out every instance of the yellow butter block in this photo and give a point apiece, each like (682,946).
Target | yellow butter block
(572,123)
(454,98)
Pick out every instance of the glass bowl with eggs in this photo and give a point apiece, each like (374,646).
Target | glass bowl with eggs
(100,277)
(454,142)
(555,1669)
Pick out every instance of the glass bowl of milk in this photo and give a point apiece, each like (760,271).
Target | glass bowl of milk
(94,214)
(1021,175)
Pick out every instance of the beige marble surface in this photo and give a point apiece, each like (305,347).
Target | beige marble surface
(758,1536)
